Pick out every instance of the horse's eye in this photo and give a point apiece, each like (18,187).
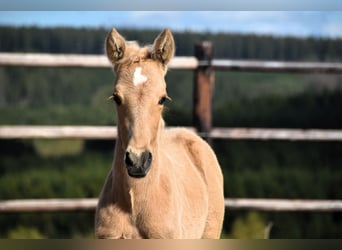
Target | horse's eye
(162,100)
(117,99)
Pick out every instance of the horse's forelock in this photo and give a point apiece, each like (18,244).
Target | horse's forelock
(134,53)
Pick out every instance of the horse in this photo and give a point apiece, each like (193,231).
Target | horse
(164,183)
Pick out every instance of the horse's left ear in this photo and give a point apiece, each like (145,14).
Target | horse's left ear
(163,47)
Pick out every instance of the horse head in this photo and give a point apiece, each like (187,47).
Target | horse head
(139,94)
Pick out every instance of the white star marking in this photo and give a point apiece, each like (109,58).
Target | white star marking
(138,78)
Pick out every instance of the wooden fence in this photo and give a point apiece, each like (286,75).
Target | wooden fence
(204,67)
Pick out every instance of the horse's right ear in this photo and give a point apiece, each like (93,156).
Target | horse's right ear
(115,46)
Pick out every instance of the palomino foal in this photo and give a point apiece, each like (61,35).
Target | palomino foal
(163,183)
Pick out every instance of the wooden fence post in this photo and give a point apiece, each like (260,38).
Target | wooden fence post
(203,87)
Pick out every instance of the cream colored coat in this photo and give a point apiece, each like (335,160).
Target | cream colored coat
(181,195)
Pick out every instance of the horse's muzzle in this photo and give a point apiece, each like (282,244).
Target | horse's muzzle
(138,165)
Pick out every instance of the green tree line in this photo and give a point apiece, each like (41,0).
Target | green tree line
(90,41)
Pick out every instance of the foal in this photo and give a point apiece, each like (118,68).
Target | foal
(163,183)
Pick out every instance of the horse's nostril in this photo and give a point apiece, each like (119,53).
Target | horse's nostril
(149,158)
(128,160)
(146,159)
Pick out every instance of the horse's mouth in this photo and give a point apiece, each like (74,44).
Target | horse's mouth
(139,172)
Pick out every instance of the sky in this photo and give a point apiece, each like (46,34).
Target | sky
(279,23)
(174,5)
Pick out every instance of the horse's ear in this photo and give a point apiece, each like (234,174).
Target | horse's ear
(115,46)
(163,47)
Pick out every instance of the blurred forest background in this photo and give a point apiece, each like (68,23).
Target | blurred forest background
(252,169)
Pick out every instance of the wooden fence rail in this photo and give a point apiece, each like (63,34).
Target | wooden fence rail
(279,205)
(110,133)
(189,62)
(76,60)
(276,66)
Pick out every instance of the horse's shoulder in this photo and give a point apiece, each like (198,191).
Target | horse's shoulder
(185,138)
(182,141)
(181,135)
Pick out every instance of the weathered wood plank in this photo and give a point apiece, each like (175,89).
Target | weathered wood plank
(73,60)
(204,79)
(47,205)
(284,205)
(276,134)
(89,204)
(276,66)
(110,132)
(100,61)
(58,132)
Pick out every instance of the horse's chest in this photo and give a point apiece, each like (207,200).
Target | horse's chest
(158,224)
(157,217)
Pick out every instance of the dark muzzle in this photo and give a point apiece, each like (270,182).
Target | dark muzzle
(138,165)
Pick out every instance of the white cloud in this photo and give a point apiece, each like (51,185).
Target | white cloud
(333,29)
